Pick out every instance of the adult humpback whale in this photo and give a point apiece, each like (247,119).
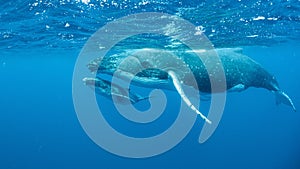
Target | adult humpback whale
(156,69)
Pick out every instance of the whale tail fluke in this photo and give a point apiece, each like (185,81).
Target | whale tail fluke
(282,97)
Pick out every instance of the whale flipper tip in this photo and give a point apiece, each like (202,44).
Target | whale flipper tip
(282,97)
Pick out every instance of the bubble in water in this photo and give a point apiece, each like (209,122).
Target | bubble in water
(67,25)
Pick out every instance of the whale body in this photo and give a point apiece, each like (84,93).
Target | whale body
(156,69)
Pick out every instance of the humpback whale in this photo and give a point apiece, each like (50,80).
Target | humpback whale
(163,70)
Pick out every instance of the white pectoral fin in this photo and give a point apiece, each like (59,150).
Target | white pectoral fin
(179,89)
(282,97)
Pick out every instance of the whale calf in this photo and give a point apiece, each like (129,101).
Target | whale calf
(108,89)
(156,69)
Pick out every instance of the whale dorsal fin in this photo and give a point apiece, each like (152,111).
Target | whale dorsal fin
(238,50)
(179,89)
(230,50)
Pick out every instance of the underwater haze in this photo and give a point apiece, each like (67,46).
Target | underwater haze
(40,41)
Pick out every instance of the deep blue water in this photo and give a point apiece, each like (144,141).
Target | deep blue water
(41,40)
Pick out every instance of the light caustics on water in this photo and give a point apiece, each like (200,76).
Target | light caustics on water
(35,23)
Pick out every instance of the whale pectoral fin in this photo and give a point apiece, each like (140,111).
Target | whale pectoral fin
(135,98)
(282,97)
(237,88)
(179,89)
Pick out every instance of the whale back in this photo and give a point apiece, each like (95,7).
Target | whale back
(241,69)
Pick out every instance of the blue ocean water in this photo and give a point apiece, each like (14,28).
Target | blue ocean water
(41,40)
